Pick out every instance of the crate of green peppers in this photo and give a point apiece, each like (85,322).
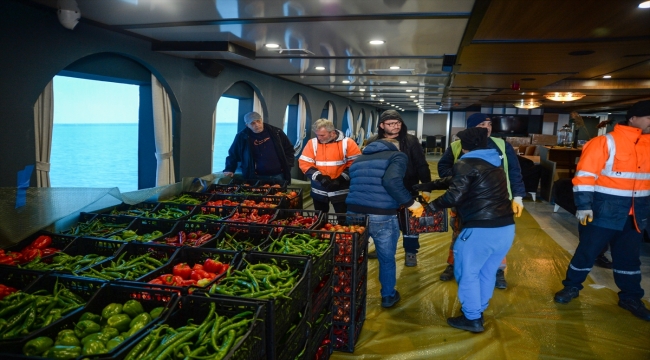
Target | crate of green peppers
(169,211)
(142,209)
(44,303)
(112,319)
(206,213)
(292,343)
(131,262)
(242,237)
(188,198)
(145,230)
(98,225)
(80,254)
(209,328)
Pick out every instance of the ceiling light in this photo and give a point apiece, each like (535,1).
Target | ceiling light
(393,105)
(272,46)
(416,100)
(321,68)
(403,82)
(607,77)
(532,104)
(376,42)
(381,100)
(346,81)
(409,90)
(412,96)
(644,5)
(362,89)
(564,96)
(373,95)
(394,67)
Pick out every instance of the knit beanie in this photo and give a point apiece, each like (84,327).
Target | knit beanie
(390,115)
(641,108)
(476,119)
(473,138)
(252,116)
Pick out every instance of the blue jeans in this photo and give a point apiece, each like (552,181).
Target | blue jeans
(478,253)
(384,230)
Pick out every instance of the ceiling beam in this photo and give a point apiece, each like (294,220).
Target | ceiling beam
(609,84)
(607,104)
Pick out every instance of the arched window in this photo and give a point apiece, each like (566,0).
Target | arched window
(295,123)
(328,112)
(348,124)
(371,127)
(361,132)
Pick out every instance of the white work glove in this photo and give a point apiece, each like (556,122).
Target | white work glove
(517,206)
(228,173)
(416,209)
(426,196)
(584,216)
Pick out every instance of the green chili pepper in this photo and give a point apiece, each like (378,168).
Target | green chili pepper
(37,346)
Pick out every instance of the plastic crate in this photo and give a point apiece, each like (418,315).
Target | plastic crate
(321,265)
(252,190)
(319,332)
(252,345)
(222,213)
(111,225)
(321,297)
(350,282)
(223,189)
(192,198)
(256,236)
(274,184)
(59,242)
(429,222)
(111,293)
(285,215)
(293,202)
(192,256)
(225,200)
(242,215)
(264,201)
(87,246)
(144,226)
(162,253)
(168,211)
(142,209)
(346,335)
(294,339)
(84,288)
(201,228)
(244,182)
(17,278)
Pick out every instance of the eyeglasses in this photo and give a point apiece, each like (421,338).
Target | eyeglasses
(393,124)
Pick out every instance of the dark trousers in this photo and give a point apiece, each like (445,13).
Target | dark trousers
(324,206)
(625,248)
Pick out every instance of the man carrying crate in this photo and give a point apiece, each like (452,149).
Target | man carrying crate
(479,192)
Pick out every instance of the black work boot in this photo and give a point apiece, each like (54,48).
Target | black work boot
(448,274)
(636,307)
(500,283)
(463,323)
(565,295)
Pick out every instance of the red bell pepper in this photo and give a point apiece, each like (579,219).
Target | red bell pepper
(170,279)
(210,265)
(199,274)
(156,281)
(197,267)
(183,270)
(41,242)
(30,254)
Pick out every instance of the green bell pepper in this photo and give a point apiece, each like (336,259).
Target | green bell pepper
(85,328)
(139,322)
(37,346)
(111,309)
(90,316)
(62,352)
(132,308)
(120,321)
(95,337)
(156,312)
(67,337)
(112,343)
(93,347)
(111,331)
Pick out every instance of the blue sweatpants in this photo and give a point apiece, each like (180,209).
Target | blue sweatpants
(478,253)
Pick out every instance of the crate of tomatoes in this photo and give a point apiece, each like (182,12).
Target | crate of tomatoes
(293,196)
(350,236)
(252,215)
(219,200)
(429,222)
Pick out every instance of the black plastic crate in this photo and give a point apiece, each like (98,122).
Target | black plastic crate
(321,264)
(345,335)
(130,251)
(108,225)
(110,293)
(223,189)
(143,209)
(350,281)
(88,251)
(285,217)
(195,234)
(45,285)
(274,184)
(188,198)
(17,278)
(244,182)
(318,333)
(294,339)
(251,346)
(246,237)
(144,229)
(293,196)
(252,190)
(169,211)
(225,200)
(350,237)
(321,297)
(192,256)
(245,215)
(59,242)
(429,222)
(264,201)
(205,213)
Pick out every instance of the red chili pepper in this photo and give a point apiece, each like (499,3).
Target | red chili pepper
(183,270)
(7,260)
(156,281)
(41,242)
(182,237)
(189,282)
(31,254)
(202,239)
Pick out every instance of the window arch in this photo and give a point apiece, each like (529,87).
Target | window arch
(371,127)
(296,117)
(360,132)
(348,123)
(328,112)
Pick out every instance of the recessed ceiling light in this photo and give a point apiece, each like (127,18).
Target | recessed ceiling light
(272,46)
(377,42)
(393,105)
(362,89)
(607,77)
(644,5)
(403,82)
(381,100)
(320,68)
(346,81)
(388,103)
(415,100)
(412,96)
(409,90)
(394,67)
(609,113)
(373,95)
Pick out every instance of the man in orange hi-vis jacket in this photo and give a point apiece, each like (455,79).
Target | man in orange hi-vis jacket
(611,189)
(325,160)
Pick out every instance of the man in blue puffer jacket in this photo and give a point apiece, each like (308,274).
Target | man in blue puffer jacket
(377,189)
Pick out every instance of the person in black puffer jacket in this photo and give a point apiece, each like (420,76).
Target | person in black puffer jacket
(478,191)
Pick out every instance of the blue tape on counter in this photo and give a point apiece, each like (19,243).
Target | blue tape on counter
(23,183)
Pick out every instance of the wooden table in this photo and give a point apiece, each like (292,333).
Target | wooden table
(534,159)
(552,159)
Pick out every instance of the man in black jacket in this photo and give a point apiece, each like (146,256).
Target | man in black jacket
(263,150)
(479,192)
(391,126)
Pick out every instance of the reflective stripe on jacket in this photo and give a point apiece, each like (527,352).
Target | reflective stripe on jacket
(613,178)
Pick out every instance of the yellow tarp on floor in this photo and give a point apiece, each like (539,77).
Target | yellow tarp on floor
(522,322)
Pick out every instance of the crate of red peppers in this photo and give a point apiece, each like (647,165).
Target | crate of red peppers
(297,218)
(192,268)
(264,201)
(190,233)
(145,230)
(222,189)
(242,237)
(40,244)
(252,215)
(293,196)
(429,222)
(346,334)
(220,200)
(14,279)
